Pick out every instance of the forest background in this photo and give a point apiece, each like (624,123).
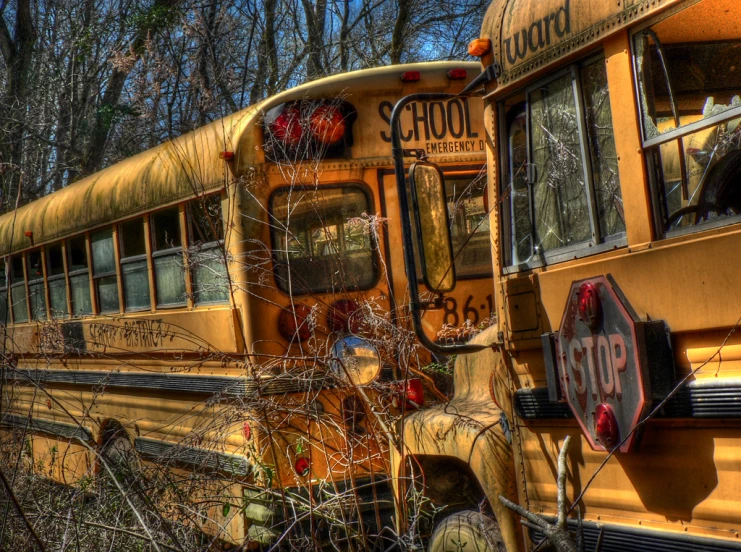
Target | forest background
(84,84)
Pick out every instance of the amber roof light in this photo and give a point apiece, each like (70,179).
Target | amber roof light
(479,47)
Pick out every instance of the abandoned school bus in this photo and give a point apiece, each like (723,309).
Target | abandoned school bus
(614,170)
(182,306)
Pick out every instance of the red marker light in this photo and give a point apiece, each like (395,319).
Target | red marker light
(457,74)
(246,431)
(327,124)
(415,392)
(410,76)
(341,319)
(606,426)
(590,305)
(302,467)
(287,127)
(226,155)
(294,324)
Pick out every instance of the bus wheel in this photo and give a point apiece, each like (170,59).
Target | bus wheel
(467,531)
(117,450)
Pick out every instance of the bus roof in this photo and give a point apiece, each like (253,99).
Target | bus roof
(528,34)
(189,165)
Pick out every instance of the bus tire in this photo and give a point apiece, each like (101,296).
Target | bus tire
(117,450)
(467,531)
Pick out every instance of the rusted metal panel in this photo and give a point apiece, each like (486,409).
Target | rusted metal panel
(171,172)
(528,34)
(196,331)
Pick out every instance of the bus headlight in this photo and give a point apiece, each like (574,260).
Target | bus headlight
(356,360)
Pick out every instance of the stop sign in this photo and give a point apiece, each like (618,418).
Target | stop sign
(603,364)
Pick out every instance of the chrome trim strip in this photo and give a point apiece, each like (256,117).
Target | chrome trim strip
(58,429)
(232,386)
(703,398)
(621,538)
(164,452)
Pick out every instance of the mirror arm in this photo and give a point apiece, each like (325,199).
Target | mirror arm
(410,264)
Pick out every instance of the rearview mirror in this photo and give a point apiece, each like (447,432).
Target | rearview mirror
(430,206)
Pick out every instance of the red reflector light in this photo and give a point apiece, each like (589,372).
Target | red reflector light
(606,426)
(590,305)
(226,155)
(341,319)
(294,324)
(287,127)
(302,467)
(410,76)
(457,74)
(415,394)
(327,124)
(246,431)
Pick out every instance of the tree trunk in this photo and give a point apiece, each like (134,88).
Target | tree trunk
(106,112)
(17,51)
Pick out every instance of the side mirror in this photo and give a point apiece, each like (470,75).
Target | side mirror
(430,205)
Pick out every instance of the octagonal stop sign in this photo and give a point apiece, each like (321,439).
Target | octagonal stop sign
(610,363)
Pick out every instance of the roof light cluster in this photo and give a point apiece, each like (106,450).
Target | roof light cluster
(308,128)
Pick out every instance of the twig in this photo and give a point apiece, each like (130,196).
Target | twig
(12,496)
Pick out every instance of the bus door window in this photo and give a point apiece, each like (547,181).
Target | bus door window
(561,190)
(320,243)
(57,281)
(469,225)
(167,254)
(4,314)
(104,271)
(36,291)
(134,264)
(79,278)
(18,290)
(689,87)
(206,250)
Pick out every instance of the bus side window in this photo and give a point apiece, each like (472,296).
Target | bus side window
(690,97)
(57,281)
(79,279)
(4,313)
(134,264)
(167,257)
(104,271)
(18,290)
(205,254)
(561,188)
(36,291)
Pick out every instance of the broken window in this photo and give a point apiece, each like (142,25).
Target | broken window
(560,188)
(206,254)
(320,243)
(689,82)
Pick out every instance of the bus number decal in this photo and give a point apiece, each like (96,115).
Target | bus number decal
(470,312)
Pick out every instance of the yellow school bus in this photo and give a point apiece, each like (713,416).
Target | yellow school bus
(614,175)
(226,303)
